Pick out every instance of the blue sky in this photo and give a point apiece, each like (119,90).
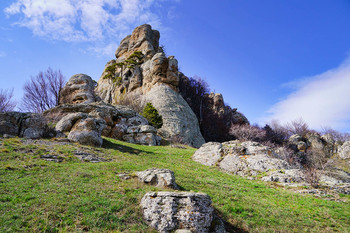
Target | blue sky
(272,59)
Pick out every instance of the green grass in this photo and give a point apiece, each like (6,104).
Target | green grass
(75,196)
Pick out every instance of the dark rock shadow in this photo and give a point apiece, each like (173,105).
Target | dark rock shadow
(229,227)
(125,149)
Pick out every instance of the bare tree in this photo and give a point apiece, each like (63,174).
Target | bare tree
(298,126)
(42,91)
(6,103)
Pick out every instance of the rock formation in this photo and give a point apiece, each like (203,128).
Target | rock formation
(253,160)
(78,90)
(344,150)
(86,122)
(142,69)
(83,120)
(139,69)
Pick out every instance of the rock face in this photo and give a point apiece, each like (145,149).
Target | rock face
(170,211)
(344,150)
(86,123)
(241,158)
(140,68)
(79,89)
(158,177)
(178,118)
(27,125)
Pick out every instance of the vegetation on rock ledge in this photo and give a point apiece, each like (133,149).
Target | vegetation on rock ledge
(152,115)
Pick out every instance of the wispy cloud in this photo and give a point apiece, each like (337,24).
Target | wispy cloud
(322,100)
(83,20)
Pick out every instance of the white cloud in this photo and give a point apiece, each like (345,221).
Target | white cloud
(322,100)
(83,20)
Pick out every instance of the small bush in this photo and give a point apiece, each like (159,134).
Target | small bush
(152,115)
(247,133)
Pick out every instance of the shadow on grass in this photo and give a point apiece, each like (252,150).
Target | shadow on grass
(125,149)
(229,227)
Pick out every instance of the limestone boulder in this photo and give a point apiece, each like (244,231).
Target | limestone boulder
(67,122)
(344,150)
(79,89)
(208,154)
(88,132)
(164,178)
(178,118)
(171,211)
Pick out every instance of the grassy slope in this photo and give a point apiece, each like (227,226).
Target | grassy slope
(38,195)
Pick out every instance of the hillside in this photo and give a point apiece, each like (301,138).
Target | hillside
(45,187)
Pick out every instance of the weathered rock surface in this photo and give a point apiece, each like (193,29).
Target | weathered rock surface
(27,125)
(88,131)
(208,154)
(344,150)
(79,89)
(158,177)
(178,118)
(170,211)
(285,176)
(86,123)
(242,158)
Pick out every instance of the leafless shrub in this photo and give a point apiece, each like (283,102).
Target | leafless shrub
(298,126)
(336,135)
(42,91)
(312,176)
(177,141)
(247,133)
(133,101)
(290,156)
(317,158)
(6,102)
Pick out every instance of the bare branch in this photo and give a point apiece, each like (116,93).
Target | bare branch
(6,102)
(42,92)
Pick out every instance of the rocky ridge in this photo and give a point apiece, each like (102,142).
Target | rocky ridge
(256,161)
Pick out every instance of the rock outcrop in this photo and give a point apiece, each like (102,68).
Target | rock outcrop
(86,123)
(27,125)
(171,211)
(163,178)
(344,150)
(142,69)
(241,158)
(78,90)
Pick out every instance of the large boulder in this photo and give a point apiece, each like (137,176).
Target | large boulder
(344,150)
(178,118)
(164,178)
(208,154)
(170,211)
(79,89)
(88,131)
